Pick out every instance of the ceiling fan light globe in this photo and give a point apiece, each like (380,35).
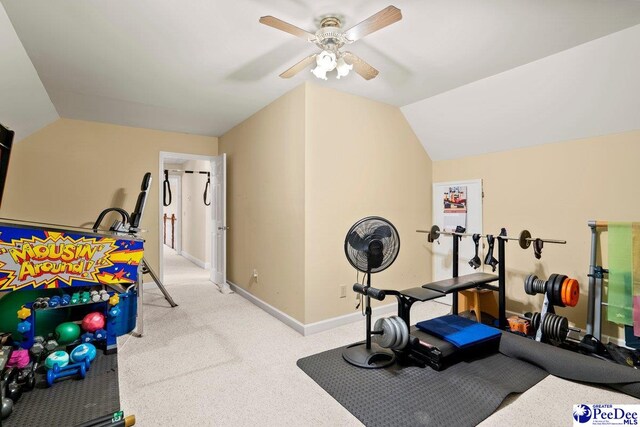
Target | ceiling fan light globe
(326,60)
(343,68)
(320,72)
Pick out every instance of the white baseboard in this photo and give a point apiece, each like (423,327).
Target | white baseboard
(311,328)
(196,261)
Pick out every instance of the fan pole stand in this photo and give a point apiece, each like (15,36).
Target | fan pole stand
(367,354)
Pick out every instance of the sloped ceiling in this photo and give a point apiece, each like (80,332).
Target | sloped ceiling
(204,66)
(590,90)
(24,104)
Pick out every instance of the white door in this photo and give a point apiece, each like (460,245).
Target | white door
(219,214)
(443,247)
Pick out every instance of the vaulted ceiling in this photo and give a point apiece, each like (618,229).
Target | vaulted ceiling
(203,66)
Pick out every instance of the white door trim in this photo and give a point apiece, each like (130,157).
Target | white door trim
(164,155)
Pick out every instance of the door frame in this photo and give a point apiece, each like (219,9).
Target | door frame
(178,201)
(165,155)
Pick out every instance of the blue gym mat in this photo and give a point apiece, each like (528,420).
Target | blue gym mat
(459,331)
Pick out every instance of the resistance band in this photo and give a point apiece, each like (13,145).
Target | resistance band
(206,188)
(166,189)
(620,290)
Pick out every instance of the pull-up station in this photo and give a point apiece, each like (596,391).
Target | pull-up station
(166,186)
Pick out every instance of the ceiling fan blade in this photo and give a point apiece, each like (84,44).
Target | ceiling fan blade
(385,17)
(286,27)
(299,67)
(360,67)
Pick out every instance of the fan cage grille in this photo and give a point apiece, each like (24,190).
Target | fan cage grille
(367,230)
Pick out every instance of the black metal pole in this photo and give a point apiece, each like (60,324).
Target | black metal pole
(454,306)
(502,303)
(367,312)
(591,305)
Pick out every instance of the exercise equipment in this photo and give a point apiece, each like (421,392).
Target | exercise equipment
(166,190)
(67,332)
(475,262)
(93,321)
(563,291)
(524,238)
(59,372)
(83,351)
(554,327)
(371,245)
(391,332)
(489,259)
(7,407)
(59,357)
(128,224)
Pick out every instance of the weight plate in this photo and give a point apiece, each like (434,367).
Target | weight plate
(522,240)
(558,289)
(434,233)
(528,284)
(398,333)
(404,331)
(377,338)
(389,334)
(572,293)
(564,328)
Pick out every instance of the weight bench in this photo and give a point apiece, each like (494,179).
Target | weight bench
(470,281)
(407,297)
(461,283)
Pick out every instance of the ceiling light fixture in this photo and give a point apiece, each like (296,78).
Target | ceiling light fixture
(327,61)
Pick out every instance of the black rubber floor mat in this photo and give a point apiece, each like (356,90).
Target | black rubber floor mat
(462,395)
(70,401)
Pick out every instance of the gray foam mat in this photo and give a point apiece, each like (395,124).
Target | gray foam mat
(462,395)
(70,401)
(570,365)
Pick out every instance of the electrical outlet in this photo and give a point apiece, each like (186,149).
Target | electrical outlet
(343,291)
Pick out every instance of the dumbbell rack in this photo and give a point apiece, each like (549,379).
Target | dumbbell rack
(110,340)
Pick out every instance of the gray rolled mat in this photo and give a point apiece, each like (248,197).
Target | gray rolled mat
(70,401)
(571,366)
(462,395)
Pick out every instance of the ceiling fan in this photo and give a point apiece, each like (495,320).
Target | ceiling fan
(331,39)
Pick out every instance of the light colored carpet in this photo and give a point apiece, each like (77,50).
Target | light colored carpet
(219,360)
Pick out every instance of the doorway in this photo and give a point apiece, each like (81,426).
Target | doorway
(191,205)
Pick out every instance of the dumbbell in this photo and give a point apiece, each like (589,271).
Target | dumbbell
(95,296)
(24,327)
(54,301)
(12,390)
(7,407)
(85,297)
(562,290)
(71,370)
(391,332)
(75,298)
(64,301)
(104,295)
(38,346)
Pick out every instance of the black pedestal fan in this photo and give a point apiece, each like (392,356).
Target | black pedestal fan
(371,245)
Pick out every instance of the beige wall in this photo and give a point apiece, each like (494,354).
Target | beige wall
(301,172)
(362,159)
(196,217)
(265,203)
(553,190)
(71,170)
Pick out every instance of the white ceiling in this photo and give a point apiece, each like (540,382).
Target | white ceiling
(590,90)
(203,66)
(24,104)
